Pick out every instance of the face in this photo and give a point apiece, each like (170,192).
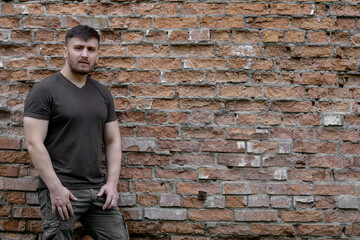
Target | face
(81,56)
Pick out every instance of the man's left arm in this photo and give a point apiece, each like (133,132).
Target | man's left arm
(112,141)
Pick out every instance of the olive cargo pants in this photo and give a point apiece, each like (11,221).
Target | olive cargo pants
(99,224)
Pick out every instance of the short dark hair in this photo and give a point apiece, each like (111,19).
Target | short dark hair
(83,32)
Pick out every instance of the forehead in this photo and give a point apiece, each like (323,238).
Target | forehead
(92,42)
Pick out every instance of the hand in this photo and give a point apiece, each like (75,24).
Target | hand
(60,201)
(112,196)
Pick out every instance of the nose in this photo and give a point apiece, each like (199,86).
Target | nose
(84,53)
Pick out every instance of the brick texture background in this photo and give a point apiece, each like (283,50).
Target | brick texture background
(255,102)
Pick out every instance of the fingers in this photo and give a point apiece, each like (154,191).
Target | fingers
(72,197)
(110,202)
(101,192)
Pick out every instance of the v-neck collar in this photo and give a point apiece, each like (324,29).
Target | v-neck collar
(73,84)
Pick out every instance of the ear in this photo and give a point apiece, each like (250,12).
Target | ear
(65,52)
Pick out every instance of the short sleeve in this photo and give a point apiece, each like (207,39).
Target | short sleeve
(38,103)
(111,115)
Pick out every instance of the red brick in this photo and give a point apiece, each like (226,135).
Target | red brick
(222,174)
(325,203)
(340,37)
(335,65)
(318,37)
(284,161)
(301,216)
(292,133)
(336,134)
(183,228)
(193,50)
(5,211)
(9,22)
(313,23)
(205,63)
(314,147)
(246,37)
(72,8)
(178,118)
(35,9)
(201,9)
(199,35)
(196,91)
(349,148)
(333,189)
(240,91)
(9,171)
(262,22)
(275,51)
(255,64)
(14,50)
(10,143)
(345,10)
(311,51)
(352,230)
(21,36)
(272,230)
(156,35)
(186,104)
(194,188)
(183,76)
(14,157)
(41,22)
(148,200)
(131,23)
(26,212)
(295,36)
(347,175)
(230,229)
(247,105)
(273,36)
(259,174)
(247,9)
(193,159)
(243,188)
(221,22)
(153,187)
(162,104)
(236,202)
(192,202)
(292,9)
(176,22)
(110,9)
(176,174)
(13,225)
(210,215)
(319,230)
(159,63)
(178,145)
(178,36)
(138,77)
(289,189)
(142,227)
(132,36)
(329,162)
(255,215)
(223,146)
(121,62)
(15,197)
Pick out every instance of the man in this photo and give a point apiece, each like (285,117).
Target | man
(68,117)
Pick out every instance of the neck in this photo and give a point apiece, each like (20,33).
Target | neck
(77,79)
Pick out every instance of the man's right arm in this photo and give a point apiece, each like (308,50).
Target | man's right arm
(35,133)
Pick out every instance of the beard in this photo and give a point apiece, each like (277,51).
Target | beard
(77,70)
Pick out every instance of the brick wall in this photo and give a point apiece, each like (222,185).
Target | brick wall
(254,102)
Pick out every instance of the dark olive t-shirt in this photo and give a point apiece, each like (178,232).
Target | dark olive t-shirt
(77,117)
